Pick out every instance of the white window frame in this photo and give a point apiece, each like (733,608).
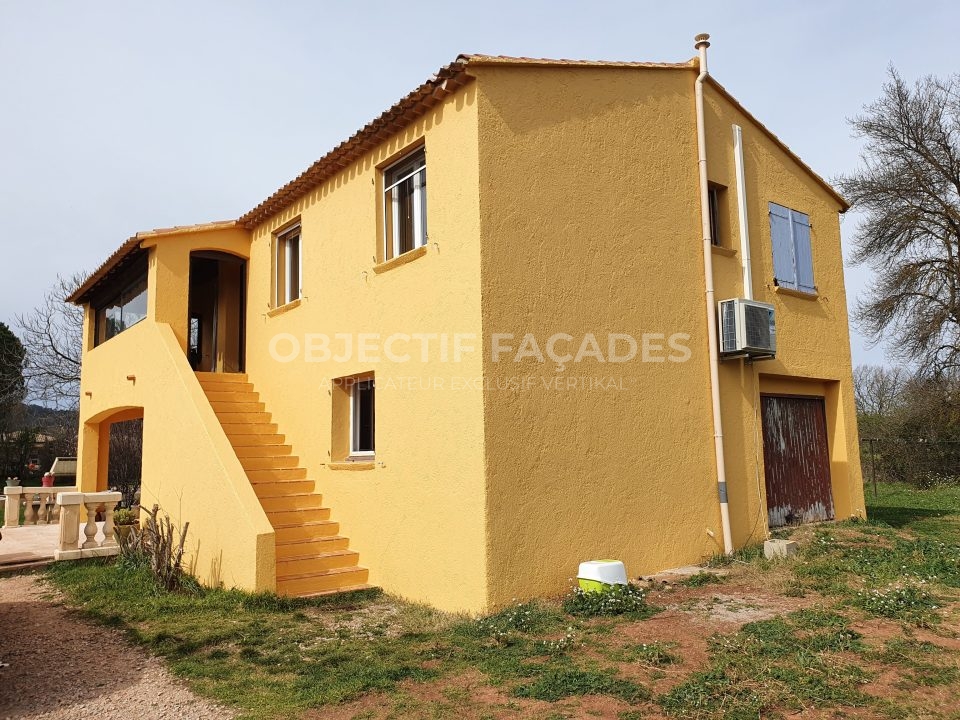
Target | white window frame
(417,160)
(355,420)
(284,284)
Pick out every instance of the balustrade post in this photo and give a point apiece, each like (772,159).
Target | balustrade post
(90,529)
(29,514)
(69,545)
(46,507)
(110,501)
(11,511)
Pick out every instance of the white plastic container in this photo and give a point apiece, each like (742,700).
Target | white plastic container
(595,574)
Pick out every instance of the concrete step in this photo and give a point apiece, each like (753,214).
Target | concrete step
(253,451)
(308,584)
(306,531)
(312,564)
(291,501)
(249,428)
(271,462)
(313,546)
(244,418)
(222,377)
(295,473)
(282,488)
(297,516)
(229,407)
(232,397)
(210,386)
(239,441)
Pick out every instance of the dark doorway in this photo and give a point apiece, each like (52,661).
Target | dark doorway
(796,459)
(215,330)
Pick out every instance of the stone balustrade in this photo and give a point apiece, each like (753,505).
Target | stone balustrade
(38,503)
(98,543)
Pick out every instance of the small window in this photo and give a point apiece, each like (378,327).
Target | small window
(362,413)
(717,200)
(792,249)
(287,261)
(405,205)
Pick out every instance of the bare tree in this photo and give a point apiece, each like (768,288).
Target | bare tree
(908,186)
(12,388)
(52,335)
(877,390)
(126,453)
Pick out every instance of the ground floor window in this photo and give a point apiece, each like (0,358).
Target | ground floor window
(362,418)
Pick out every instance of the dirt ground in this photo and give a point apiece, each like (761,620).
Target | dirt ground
(55,666)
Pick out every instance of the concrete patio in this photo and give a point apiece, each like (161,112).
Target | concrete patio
(30,544)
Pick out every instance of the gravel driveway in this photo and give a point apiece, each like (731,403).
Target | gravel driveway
(55,665)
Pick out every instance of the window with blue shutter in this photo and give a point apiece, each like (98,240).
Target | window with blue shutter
(792,250)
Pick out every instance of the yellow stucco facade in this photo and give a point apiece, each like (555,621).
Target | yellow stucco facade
(562,201)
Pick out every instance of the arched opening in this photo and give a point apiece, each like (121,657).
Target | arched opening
(111,452)
(217,310)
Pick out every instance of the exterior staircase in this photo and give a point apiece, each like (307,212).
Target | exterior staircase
(312,558)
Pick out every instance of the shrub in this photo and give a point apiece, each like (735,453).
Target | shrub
(158,545)
(611,600)
(125,516)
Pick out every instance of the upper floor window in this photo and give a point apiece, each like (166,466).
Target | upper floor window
(405,205)
(122,310)
(287,261)
(792,250)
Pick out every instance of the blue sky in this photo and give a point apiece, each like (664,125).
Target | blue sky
(123,116)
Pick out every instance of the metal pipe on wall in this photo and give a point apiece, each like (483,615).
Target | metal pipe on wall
(742,212)
(702,43)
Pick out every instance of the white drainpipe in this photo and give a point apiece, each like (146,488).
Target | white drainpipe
(703,43)
(742,213)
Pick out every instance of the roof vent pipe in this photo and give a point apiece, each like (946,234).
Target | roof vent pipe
(702,43)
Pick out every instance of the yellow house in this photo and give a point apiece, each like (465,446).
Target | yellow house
(460,390)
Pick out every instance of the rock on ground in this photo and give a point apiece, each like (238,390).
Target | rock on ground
(55,666)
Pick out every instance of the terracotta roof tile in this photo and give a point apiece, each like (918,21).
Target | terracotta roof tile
(130,246)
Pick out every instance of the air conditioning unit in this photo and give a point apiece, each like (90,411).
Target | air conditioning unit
(747,328)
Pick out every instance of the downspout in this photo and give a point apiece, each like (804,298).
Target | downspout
(742,212)
(702,43)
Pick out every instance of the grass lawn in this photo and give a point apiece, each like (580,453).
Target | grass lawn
(864,623)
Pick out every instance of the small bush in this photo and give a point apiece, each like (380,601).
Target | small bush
(158,545)
(611,600)
(125,516)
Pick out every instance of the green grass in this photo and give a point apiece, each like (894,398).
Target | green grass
(786,663)
(272,656)
(275,657)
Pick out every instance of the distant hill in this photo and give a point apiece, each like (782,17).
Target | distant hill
(44,416)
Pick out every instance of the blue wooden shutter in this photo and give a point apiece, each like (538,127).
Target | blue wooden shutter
(781,238)
(802,251)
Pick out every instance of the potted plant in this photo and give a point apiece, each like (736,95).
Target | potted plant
(47,479)
(124,521)
(13,482)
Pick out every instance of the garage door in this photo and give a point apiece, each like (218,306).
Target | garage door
(796,459)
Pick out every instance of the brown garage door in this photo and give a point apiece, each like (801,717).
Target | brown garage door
(796,459)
